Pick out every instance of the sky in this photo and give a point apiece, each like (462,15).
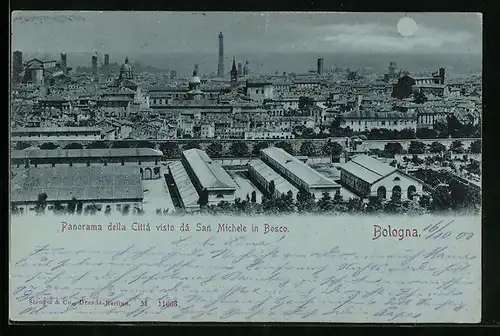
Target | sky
(244,32)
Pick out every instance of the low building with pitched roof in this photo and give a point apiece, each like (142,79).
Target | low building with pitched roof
(298,173)
(367,176)
(208,176)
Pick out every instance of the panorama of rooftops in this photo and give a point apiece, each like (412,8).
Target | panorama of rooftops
(245,113)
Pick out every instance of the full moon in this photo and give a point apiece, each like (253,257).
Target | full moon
(407,26)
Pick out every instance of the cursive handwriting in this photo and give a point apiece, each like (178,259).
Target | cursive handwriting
(209,277)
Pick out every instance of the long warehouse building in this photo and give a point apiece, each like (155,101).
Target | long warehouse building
(298,172)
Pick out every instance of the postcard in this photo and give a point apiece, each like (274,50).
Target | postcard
(245,167)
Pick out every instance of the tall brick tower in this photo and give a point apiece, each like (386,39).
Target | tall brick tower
(220,70)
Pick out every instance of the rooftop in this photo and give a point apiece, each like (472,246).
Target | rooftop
(184,185)
(92,183)
(82,153)
(370,114)
(431,85)
(55,129)
(268,174)
(367,168)
(310,176)
(210,174)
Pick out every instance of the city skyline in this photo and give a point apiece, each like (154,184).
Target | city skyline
(255,32)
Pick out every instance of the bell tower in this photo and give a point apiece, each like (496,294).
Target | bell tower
(234,74)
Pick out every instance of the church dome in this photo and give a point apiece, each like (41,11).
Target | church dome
(126,67)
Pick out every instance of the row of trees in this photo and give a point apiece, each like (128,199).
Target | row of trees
(448,194)
(451,127)
(75,207)
(454,197)
(418,147)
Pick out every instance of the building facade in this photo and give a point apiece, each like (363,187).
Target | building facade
(208,177)
(367,176)
(148,160)
(299,173)
(55,133)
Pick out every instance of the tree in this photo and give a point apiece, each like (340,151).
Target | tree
(258,147)
(145,144)
(437,147)
(41,203)
(48,145)
(58,208)
(419,98)
(239,149)
(441,198)
(97,145)
(170,149)
(392,148)
(305,201)
(338,198)
(308,149)
(72,205)
(457,146)
(283,204)
(120,144)
(73,145)
(426,133)
(416,147)
(156,171)
(475,147)
(332,148)
(203,199)
(272,188)
(286,146)
(455,127)
(192,144)
(215,149)
(254,196)
(325,202)
(22,145)
(305,103)
(108,210)
(441,129)
(405,133)
(374,204)
(355,205)
(125,209)
(336,124)
(79,207)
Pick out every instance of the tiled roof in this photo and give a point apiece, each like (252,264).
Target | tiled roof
(298,168)
(210,174)
(268,174)
(184,185)
(367,168)
(62,183)
(55,129)
(83,153)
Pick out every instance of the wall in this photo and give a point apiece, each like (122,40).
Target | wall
(213,199)
(388,182)
(52,138)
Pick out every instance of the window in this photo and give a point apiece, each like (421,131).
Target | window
(397,179)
